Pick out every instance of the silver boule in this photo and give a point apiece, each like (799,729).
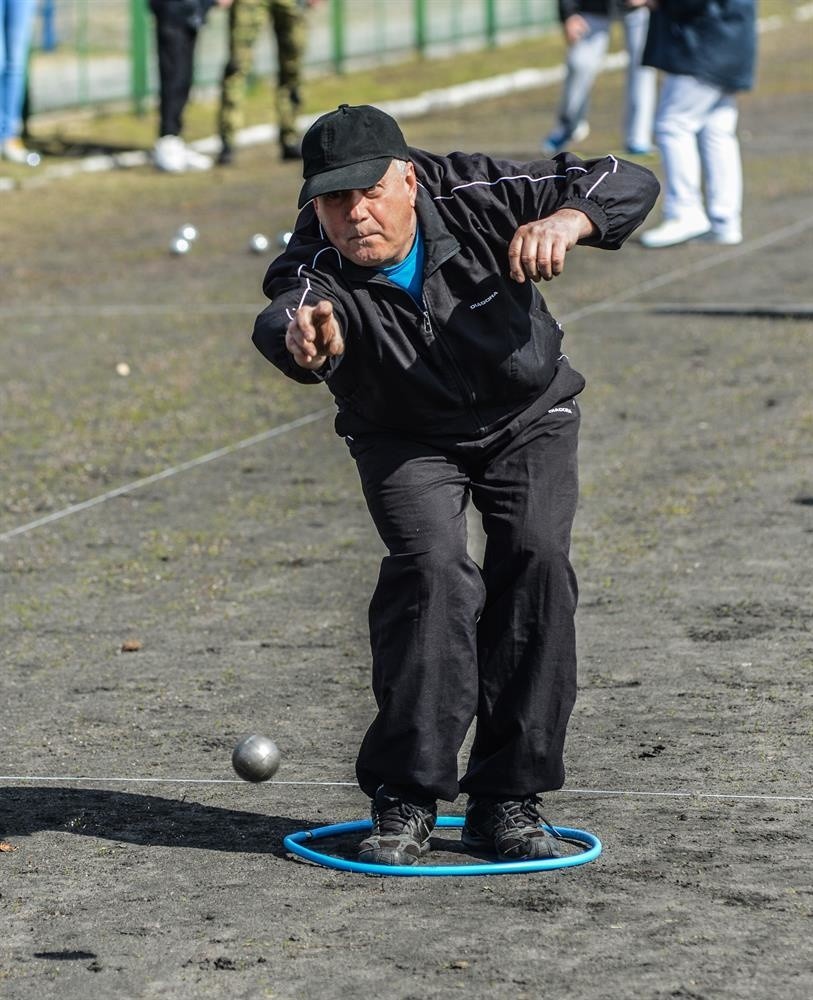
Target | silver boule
(187,232)
(258,243)
(179,245)
(283,239)
(255,758)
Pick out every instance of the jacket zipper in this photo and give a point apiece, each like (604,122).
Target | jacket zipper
(469,393)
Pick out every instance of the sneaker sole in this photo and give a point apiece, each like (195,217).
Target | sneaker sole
(661,244)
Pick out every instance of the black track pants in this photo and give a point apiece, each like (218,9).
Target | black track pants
(176,56)
(451,642)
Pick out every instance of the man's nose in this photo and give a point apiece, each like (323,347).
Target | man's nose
(357,207)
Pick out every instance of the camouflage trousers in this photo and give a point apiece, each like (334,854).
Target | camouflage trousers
(246,19)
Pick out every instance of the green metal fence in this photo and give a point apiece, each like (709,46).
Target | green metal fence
(99,53)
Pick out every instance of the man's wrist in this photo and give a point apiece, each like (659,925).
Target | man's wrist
(581,220)
(313,364)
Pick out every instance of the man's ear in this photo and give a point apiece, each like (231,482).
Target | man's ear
(412,182)
(315,204)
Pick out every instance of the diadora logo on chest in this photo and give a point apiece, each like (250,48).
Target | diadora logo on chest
(484,302)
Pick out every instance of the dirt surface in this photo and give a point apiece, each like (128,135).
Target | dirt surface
(245,580)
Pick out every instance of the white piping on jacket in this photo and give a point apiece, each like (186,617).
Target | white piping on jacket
(450,196)
(288,312)
(499,180)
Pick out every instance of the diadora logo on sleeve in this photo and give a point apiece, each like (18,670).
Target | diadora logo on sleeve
(564,409)
(484,302)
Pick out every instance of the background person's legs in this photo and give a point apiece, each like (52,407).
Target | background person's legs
(176,37)
(176,54)
(288,17)
(584,59)
(722,170)
(641,85)
(16,20)
(246,18)
(683,111)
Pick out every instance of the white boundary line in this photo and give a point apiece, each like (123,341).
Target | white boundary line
(695,267)
(273,432)
(618,792)
(685,794)
(133,309)
(163,781)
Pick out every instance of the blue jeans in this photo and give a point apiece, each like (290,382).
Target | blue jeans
(16,22)
(584,61)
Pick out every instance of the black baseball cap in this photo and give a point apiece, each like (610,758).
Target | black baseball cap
(351,147)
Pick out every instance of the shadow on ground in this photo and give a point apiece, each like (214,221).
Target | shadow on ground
(142,819)
(69,148)
(152,821)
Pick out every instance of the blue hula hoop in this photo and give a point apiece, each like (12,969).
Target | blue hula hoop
(295,843)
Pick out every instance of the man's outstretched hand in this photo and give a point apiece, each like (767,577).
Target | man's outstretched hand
(538,248)
(313,335)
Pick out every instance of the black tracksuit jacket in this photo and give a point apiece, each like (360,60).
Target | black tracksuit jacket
(481,347)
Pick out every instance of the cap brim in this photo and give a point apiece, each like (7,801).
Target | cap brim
(354,175)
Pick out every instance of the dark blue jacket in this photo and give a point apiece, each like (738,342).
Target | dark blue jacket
(713,40)
(607,8)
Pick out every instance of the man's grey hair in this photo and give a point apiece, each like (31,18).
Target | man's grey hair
(401,166)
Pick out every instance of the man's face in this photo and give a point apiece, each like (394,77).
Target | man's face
(373,227)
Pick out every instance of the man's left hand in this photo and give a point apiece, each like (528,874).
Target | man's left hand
(538,248)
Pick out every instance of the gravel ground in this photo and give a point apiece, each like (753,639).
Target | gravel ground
(245,581)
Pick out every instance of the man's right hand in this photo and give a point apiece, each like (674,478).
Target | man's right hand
(313,335)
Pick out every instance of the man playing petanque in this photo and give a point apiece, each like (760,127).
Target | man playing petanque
(408,287)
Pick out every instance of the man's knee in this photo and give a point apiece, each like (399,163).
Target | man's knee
(549,554)
(436,571)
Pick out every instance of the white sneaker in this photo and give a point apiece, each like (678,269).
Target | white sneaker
(170,154)
(723,237)
(559,139)
(673,231)
(14,151)
(196,160)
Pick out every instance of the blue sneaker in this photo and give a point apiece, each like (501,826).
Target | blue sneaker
(560,138)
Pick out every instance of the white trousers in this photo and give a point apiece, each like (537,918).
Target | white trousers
(585,59)
(696,133)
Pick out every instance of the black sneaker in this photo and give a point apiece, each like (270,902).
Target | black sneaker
(510,827)
(400,833)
